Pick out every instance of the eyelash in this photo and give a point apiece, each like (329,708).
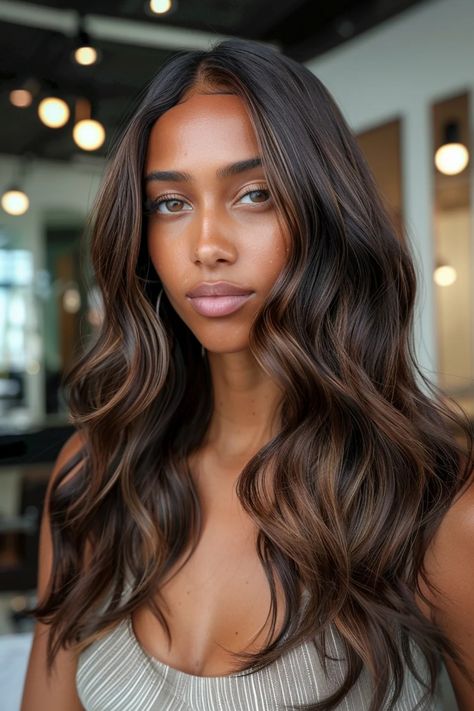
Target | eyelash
(152,205)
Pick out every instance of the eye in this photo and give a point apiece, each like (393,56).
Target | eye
(152,206)
(173,202)
(257,191)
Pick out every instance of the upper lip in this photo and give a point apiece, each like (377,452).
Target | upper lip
(217,288)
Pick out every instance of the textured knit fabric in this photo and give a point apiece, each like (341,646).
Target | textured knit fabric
(115,673)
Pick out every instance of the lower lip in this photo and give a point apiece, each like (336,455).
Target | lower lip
(218,305)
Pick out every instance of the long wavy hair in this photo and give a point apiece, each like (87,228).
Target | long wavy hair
(369,455)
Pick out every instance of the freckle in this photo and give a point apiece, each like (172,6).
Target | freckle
(236,633)
(187,592)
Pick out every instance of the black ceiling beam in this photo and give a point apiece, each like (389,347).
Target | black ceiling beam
(267,16)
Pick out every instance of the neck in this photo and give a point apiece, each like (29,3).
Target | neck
(246,403)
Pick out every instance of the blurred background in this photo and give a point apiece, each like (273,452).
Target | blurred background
(70,76)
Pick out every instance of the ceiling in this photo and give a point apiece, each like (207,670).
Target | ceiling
(36,40)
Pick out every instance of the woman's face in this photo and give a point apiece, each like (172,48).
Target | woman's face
(211,227)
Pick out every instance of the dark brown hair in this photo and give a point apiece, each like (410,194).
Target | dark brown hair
(369,454)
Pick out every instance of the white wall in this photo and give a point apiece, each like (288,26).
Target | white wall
(400,69)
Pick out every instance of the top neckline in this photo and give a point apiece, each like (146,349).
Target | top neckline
(173,672)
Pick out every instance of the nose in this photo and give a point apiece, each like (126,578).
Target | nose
(212,240)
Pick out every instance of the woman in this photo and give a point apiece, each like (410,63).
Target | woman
(246,516)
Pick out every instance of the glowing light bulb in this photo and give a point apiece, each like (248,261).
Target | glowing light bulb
(159,7)
(15,202)
(445,275)
(53,112)
(86,55)
(71,300)
(451,158)
(21,98)
(88,134)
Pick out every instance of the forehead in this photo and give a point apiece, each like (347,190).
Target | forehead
(202,126)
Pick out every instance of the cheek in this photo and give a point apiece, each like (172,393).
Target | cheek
(164,260)
(170,265)
(274,266)
(271,253)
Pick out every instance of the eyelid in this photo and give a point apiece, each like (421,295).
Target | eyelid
(252,188)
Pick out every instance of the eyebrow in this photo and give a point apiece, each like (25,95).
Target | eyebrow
(176,176)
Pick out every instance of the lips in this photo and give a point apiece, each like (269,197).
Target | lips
(218,288)
(218,305)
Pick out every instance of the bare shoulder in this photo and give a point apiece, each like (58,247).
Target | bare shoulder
(69,449)
(449,565)
(59,691)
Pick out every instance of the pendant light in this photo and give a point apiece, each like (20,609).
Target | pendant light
(88,133)
(14,199)
(23,93)
(53,112)
(84,53)
(452,156)
(160,7)
(21,98)
(444,274)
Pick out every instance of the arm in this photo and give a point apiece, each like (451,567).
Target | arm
(449,564)
(58,692)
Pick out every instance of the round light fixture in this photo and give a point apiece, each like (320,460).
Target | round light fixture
(445,275)
(452,156)
(84,51)
(85,55)
(88,134)
(15,201)
(53,112)
(159,7)
(21,98)
(71,300)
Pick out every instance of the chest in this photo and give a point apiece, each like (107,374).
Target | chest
(218,598)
